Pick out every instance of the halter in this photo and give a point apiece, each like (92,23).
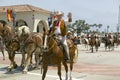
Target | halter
(46,49)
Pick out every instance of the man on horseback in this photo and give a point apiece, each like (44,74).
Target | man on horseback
(60,28)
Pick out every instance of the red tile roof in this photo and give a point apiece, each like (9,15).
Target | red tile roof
(23,8)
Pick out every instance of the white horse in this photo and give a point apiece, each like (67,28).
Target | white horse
(21,28)
(21,31)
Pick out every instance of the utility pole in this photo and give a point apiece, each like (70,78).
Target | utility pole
(118,25)
(13,15)
(107,29)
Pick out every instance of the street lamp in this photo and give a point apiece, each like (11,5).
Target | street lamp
(13,15)
(108,29)
(118,28)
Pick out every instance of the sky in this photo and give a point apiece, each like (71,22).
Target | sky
(92,11)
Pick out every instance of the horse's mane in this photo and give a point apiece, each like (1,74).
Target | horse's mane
(26,30)
(3,22)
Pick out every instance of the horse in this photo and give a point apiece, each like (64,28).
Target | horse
(22,34)
(53,53)
(75,39)
(116,40)
(33,44)
(109,43)
(85,41)
(94,42)
(8,35)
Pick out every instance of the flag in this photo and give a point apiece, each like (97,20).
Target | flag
(9,15)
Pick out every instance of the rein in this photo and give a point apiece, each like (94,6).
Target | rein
(49,48)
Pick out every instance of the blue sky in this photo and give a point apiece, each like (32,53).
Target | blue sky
(93,11)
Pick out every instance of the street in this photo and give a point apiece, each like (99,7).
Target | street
(101,65)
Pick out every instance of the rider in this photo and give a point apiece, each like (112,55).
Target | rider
(60,26)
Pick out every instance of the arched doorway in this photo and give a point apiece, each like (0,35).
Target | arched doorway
(40,26)
(21,23)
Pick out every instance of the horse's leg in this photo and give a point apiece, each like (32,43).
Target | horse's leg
(66,69)
(37,59)
(45,68)
(59,70)
(87,46)
(92,49)
(71,68)
(113,44)
(31,60)
(96,47)
(3,54)
(109,46)
(11,58)
(23,59)
(30,48)
(105,46)
(27,62)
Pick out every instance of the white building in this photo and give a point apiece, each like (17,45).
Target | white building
(29,15)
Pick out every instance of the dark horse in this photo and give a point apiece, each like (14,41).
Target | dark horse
(116,40)
(53,54)
(109,43)
(8,36)
(94,42)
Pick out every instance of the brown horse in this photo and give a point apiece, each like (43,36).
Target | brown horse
(22,34)
(33,44)
(94,42)
(53,54)
(8,36)
(109,43)
(116,40)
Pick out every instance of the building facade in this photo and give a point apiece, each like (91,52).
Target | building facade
(31,16)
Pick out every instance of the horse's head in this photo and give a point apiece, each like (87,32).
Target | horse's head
(1,29)
(47,39)
(23,32)
(5,31)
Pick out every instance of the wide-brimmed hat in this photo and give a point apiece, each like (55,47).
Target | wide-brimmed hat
(59,13)
(72,30)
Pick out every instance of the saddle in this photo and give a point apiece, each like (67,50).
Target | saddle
(60,44)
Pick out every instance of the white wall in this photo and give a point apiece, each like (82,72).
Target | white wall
(32,21)
(40,17)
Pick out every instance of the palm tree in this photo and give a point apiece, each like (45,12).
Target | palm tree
(99,26)
(86,27)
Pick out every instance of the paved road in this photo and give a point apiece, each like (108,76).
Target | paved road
(101,65)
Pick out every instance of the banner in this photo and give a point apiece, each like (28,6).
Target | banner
(9,15)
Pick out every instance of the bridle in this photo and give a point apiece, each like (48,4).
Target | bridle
(46,44)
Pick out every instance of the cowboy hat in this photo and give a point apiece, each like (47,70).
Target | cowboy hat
(59,13)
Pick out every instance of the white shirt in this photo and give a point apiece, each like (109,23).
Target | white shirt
(57,31)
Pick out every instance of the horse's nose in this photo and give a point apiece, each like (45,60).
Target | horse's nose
(45,49)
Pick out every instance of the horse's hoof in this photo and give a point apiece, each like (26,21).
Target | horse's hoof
(9,69)
(24,72)
(70,78)
(15,66)
(22,65)
(36,68)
